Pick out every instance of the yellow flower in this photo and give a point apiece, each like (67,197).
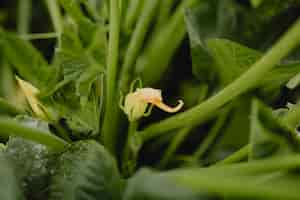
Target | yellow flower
(31,92)
(136,103)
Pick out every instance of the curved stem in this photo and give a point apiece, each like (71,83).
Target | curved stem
(11,127)
(213,133)
(55,15)
(178,139)
(236,156)
(246,81)
(182,134)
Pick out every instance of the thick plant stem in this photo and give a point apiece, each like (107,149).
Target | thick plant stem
(242,84)
(130,153)
(24,16)
(11,127)
(55,15)
(111,105)
(164,12)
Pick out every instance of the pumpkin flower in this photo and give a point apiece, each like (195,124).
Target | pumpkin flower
(30,92)
(136,103)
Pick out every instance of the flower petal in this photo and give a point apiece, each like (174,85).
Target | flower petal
(167,108)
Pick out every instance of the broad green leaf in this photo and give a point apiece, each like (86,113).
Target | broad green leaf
(81,115)
(269,136)
(32,162)
(86,171)
(236,186)
(79,82)
(210,19)
(232,59)
(256,27)
(146,184)
(27,61)
(9,184)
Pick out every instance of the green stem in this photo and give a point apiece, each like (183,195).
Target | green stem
(182,134)
(213,133)
(24,16)
(178,139)
(130,155)
(155,59)
(55,15)
(8,108)
(136,42)
(62,132)
(109,128)
(236,156)
(131,15)
(294,82)
(292,118)
(39,36)
(11,127)
(164,12)
(246,81)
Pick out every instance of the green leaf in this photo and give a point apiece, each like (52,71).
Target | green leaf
(87,28)
(235,185)
(27,60)
(256,27)
(80,71)
(146,184)
(9,185)
(269,136)
(210,19)
(232,59)
(32,162)
(273,84)
(86,171)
